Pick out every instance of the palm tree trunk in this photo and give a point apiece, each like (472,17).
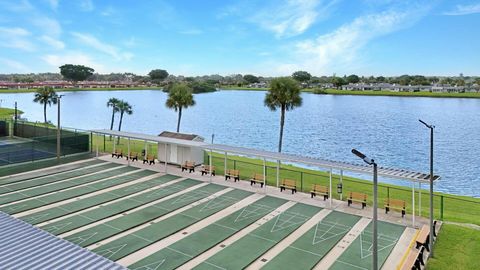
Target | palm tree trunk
(179,118)
(120,125)
(282,122)
(45,112)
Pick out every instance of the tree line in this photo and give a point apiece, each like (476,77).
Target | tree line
(206,83)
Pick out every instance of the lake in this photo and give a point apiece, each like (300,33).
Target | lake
(326,126)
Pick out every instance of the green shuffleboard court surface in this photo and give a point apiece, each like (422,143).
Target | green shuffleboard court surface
(193,245)
(85,203)
(250,247)
(40,190)
(359,254)
(137,218)
(94,215)
(53,178)
(130,243)
(312,246)
(46,172)
(77,191)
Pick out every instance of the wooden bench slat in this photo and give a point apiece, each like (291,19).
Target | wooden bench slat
(257,178)
(358,198)
(232,173)
(318,189)
(290,184)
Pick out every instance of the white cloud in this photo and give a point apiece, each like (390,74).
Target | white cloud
(340,49)
(17,6)
(47,25)
(76,58)
(53,4)
(54,43)
(14,65)
(93,42)
(464,10)
(292,17)
(191,32)
(17,38)
(86,5)
(109,11)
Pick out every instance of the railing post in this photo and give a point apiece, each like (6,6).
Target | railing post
(234,164)
(104,144)
(441,207)
(388,193)
(301,181)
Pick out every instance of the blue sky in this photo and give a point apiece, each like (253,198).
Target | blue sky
(266,37)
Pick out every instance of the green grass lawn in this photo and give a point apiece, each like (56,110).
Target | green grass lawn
(7,113)
(457,247)
(401,94)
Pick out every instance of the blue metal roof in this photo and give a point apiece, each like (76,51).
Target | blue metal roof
(23,246)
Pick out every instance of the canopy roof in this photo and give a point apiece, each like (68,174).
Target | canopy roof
(317,162)
(24,246)
(150,138)
(322,163)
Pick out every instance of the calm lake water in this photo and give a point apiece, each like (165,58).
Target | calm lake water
(385,128)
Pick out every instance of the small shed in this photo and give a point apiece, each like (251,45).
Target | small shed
(179,153)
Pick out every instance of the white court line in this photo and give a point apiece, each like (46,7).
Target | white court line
(353,265)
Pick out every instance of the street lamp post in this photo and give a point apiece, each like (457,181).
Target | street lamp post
(59,97)
(370,161)
(431,127)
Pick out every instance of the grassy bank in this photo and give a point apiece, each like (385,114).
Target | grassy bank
(7,113)
(400,94)
(455,208)
(457,247)
(243,88)
(5,91)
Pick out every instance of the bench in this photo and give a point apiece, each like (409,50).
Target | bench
(423,238)
(394,204)
(150,159)
(357,197)
(320,190)
(188,166)
(117,153)
(257,178)
(288,184)
(235,174)
(207,169)
(133,156)
(414,260)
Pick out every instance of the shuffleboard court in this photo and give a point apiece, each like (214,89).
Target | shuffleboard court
(40,190)
(312,246)
(105,197)
(79,191)
(250,247)
(54,178)
(50,171)
(193,245)
(121,224)
(359,254)
(130,243)
(94,215)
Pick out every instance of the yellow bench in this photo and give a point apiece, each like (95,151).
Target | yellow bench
(133,156)
(207,169)
(188,166)
(395,204)
(288,184)
(257,178)
(235,174)
(320,190)
(357,197)
(117,153)
(150,159)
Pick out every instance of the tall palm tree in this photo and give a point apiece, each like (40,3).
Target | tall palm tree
(284,94)
(123,107)
(45,96)
(180,96)
(113,102)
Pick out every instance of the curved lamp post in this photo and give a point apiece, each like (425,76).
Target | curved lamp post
(370,161)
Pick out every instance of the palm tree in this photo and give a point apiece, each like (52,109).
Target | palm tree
(113,102)
(123,107)
(45,96)
(180,96)
(284,94)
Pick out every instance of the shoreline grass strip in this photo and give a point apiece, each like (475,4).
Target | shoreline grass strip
(80,191)
(247,249)
(359,254)
(54,178)
(80,220)
(137,218)
(47,172)
(85,203)
(40,190)
(312,246)
(133,242)
(193,245)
